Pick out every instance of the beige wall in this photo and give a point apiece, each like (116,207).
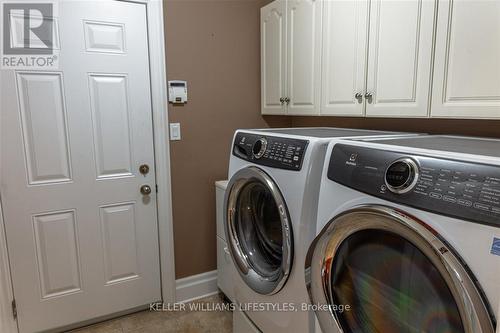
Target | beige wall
(214,46)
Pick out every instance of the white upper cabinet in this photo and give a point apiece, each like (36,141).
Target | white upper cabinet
(273,57)
(467,61)
(303,56)
(345,31)
(291,56)
(399,58)
(381,58)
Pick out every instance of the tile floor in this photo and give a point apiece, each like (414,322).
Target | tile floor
(168,322)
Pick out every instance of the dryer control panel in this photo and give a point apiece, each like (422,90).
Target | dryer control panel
(457,189)
(276,152)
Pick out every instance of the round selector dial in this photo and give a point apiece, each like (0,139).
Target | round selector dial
(402,175)
(259,148)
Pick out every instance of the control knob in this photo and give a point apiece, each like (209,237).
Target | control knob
(259,148)
(402,175)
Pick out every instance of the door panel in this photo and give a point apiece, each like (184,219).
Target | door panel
(110,114)
(104,37)
(83,241)
(43,120)
(119,230)
(57,253)
(345,38)
(399,63)
(273,67)
(304,55)
(467,65)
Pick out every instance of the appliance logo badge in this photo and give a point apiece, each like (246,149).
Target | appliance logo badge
(495,247)
(352,160)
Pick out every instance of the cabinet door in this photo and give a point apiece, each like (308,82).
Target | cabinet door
(273,57)
(467,62)
(303,56)
(399,58)
(345,30)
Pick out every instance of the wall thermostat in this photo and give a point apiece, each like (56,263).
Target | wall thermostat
(177,91)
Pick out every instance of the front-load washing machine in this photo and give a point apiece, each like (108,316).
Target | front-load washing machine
(408,236)
(270,218)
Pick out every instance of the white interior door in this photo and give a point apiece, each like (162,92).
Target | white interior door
(82,239)
(303,56)
(273,46)
(467,62)
(345,44)
(399,58)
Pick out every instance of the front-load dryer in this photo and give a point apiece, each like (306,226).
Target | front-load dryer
(270,216)
(408,236)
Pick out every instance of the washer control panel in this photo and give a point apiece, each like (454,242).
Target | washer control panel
(457,189)
(276,152)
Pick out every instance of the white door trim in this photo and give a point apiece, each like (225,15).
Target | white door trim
(7,322)
(159,103)
(162,162)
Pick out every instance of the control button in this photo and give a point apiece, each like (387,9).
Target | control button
(353,157)
(449,199)
(295,158)
(383,188)
(435,195)
(481,206)
(402,176)
(463,202)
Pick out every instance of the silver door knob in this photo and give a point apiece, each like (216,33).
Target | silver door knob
(145,190)
(369,95)
(358,95)
(287,100)
(282,100)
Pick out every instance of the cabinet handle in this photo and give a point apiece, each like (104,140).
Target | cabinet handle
(287,100)
(282,100)
(358,95)
(369,95)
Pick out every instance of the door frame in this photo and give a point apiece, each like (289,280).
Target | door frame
(7,322)
(159,109)
(159,103)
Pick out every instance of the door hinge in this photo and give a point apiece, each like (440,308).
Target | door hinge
(156,186)
(14,309)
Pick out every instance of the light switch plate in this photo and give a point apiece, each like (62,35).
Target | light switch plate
(175,131)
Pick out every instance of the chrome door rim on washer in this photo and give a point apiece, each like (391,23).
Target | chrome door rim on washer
(265,285)
(474,312)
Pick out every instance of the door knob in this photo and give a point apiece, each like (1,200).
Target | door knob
(369,95)
(358,95)
(282,100)
(287,100)
(144,169)
(146,190)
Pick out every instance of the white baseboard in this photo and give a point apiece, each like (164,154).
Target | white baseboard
(196,286)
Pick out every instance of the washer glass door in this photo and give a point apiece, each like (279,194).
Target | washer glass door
(379,270)
(258,230)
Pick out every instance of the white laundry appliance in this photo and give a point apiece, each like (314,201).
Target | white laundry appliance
(270,217)
(408,236)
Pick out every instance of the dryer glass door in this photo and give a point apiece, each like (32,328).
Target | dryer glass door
(379,270)
(391,287)
(258,230)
